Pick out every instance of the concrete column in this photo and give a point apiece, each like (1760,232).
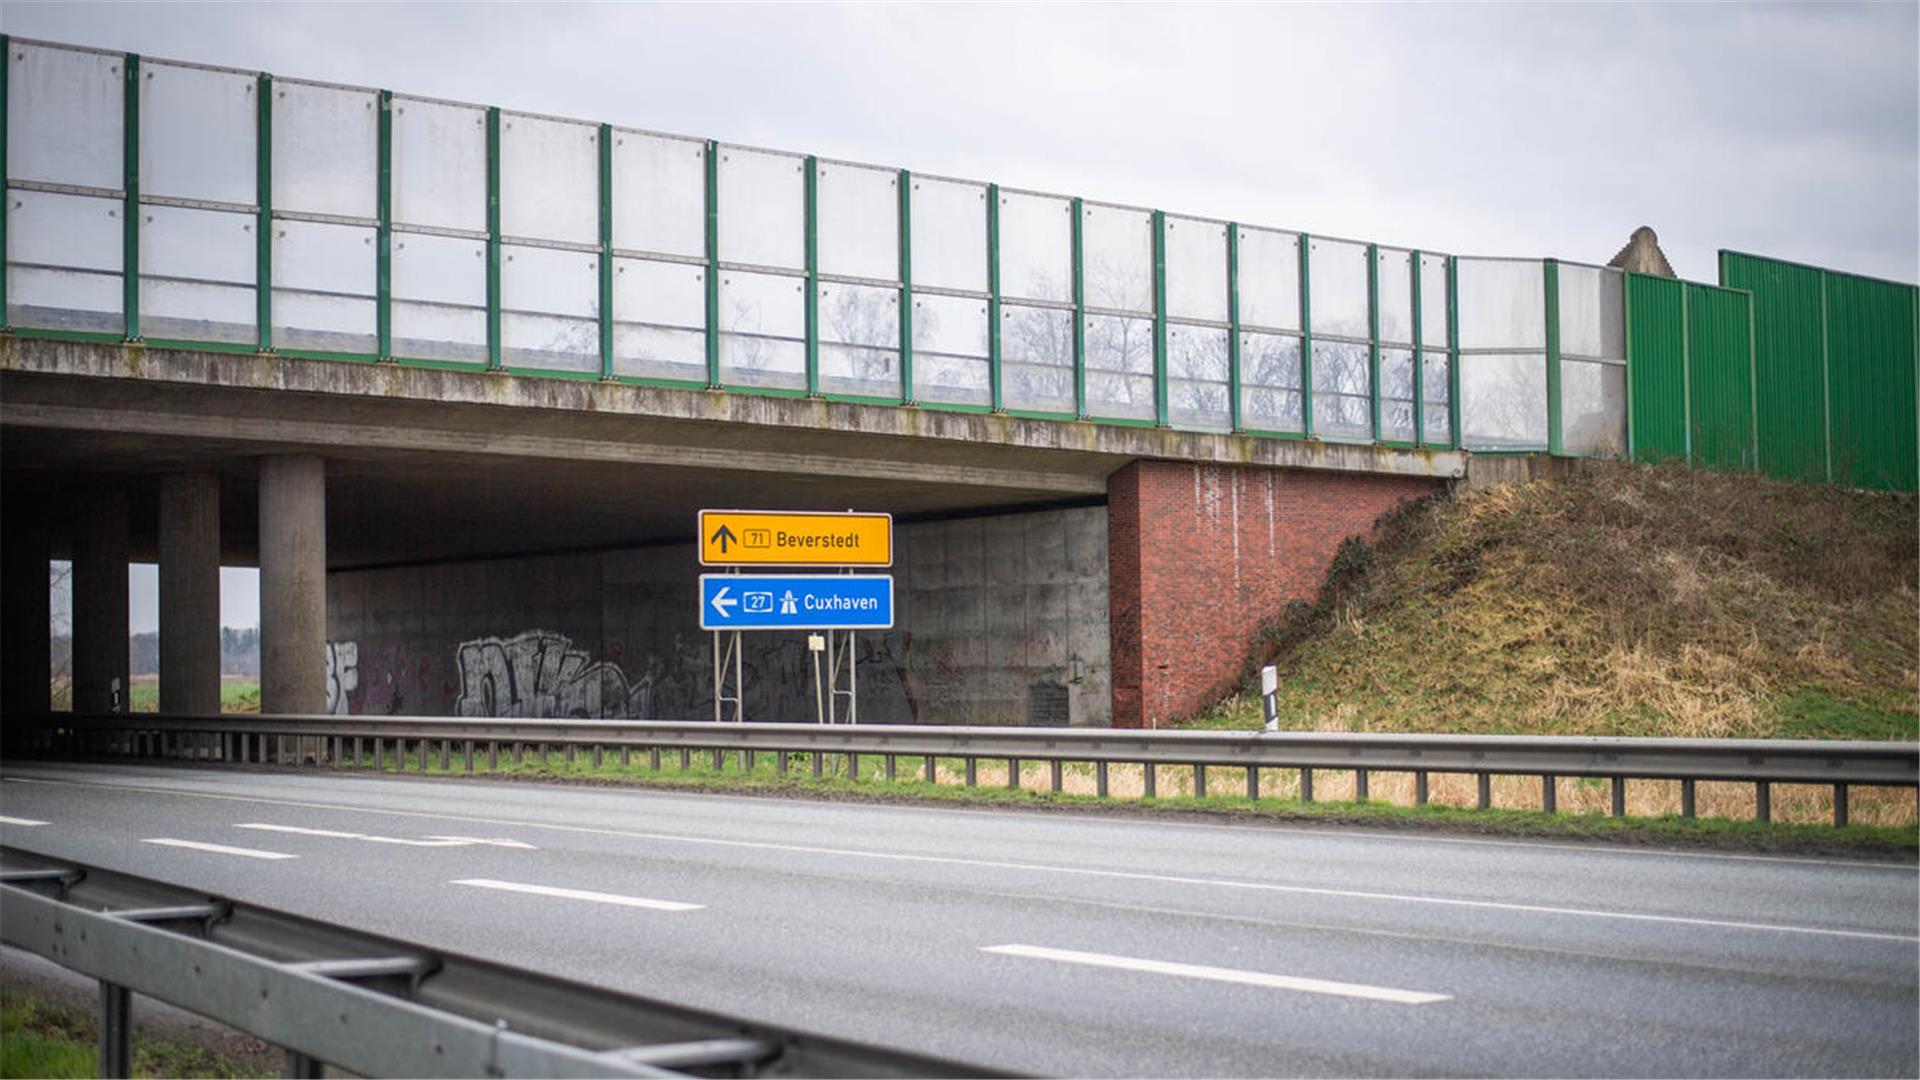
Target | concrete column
(293,584)
(190,593)
(26,650)
(100,660)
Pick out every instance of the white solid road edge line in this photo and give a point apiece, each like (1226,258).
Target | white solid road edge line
(19,821)
(578,894)
(220,849)
(1218,974)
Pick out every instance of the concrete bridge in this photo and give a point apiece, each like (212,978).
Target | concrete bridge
(457,379)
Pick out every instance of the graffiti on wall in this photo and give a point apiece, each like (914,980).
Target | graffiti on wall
(343,675)
(539,674)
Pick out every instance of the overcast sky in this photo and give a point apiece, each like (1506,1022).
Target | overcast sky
(1508,129)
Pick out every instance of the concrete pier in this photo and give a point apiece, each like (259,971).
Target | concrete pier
(100,651)
(293,584)
(190,593)
(25,641)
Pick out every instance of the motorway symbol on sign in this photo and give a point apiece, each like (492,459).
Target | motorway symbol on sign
(794,538)
(796,601)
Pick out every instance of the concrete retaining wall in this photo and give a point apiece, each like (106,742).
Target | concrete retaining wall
(998,620)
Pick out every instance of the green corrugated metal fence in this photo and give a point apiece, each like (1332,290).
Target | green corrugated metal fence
(1835,359)
(1720,377)
(1791,391)
(1657,367)
(1870,364)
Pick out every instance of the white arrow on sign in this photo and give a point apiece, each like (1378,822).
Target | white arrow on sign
(721,603)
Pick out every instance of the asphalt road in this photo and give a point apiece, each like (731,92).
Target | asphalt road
(1062,943)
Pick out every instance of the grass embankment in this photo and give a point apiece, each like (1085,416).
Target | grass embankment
(1618,600)
(1799,825)
(39,1038)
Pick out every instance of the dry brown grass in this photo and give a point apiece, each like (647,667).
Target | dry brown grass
(1622,599)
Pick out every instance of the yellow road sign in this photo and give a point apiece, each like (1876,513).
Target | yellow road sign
(794,538)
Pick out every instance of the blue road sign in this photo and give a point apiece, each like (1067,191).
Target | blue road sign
(796,601)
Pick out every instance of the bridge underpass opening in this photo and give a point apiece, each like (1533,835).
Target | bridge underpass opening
(586,604)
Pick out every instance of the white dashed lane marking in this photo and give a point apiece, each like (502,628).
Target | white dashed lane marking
(219,849)
(578,894)
(1219,974)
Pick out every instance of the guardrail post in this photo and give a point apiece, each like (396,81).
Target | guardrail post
(1253,781)
(1306,785)
(1100,779)
(493,755)
(891,764)
(1149,776)
(1839,805)
(819,765)
(1762,801)
(1686,798)
(933,775)
(972,771)
(1619,796)
(469,756)
(116,1030)
(1360,785)
(626,757)
(1420,787)
(1549,795)
(1056,773)
(301,1067)
(1013,772)
(853,767)
(1485,800)
(1199,781)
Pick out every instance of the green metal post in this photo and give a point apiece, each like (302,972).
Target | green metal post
(1078,210)
(1160,402)
(1626,318)
(493,239)
(606,250)
(130,190)
(263,196)
(1306,336)
(1453,351)
(812,227)
(713,264)
(1826,384)
(6,77)
(1556,442)
(1419,358)
(1233,325)
(1686,369)
(1373,336)
(1753,386)
(993,298)
(905,186)
(383,242)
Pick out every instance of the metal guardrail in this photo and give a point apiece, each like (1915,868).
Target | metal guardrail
(376,1006)
(259,739)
